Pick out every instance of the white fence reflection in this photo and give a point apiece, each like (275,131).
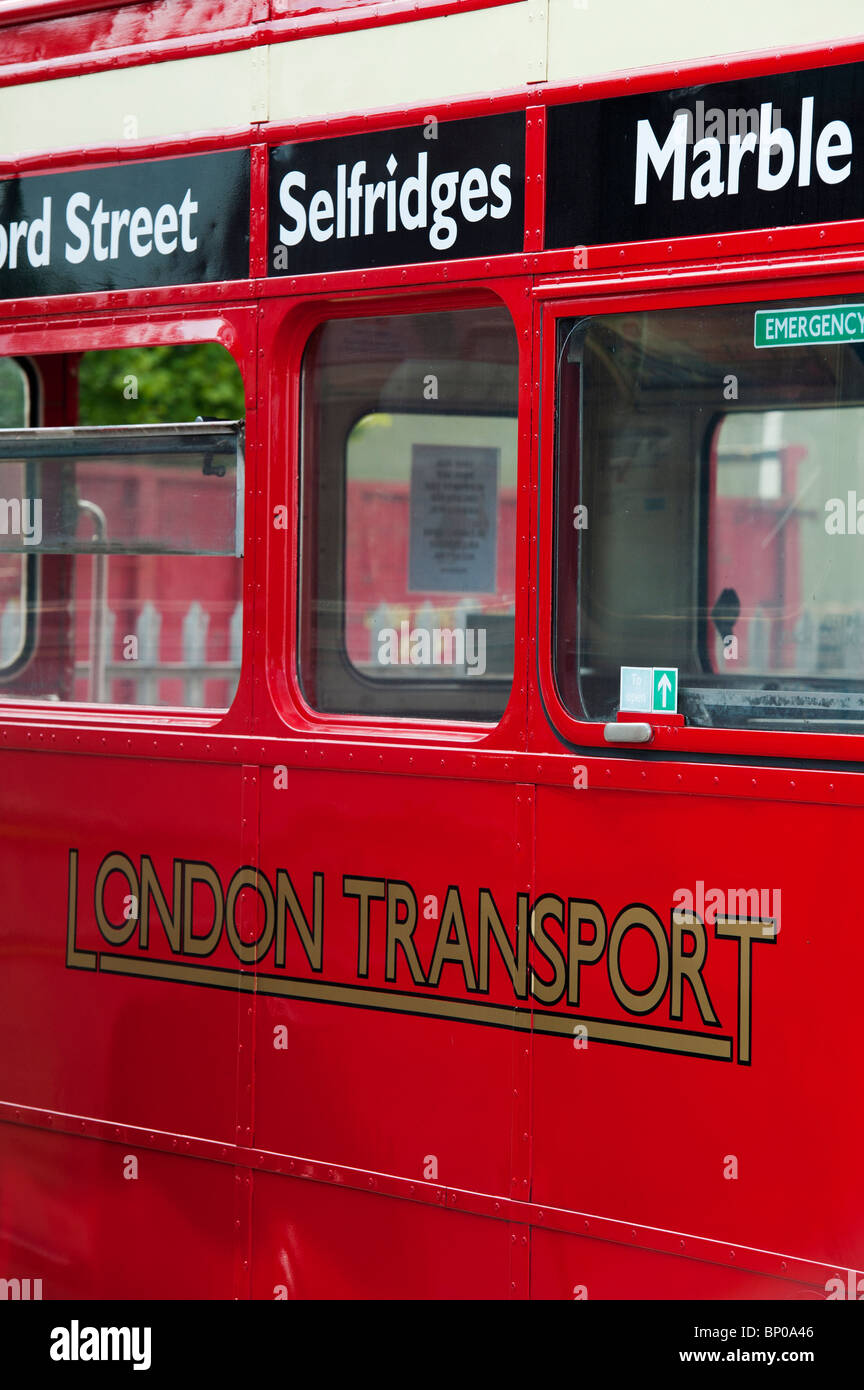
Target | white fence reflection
(144,662)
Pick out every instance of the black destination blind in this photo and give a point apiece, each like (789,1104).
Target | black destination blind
(784,150)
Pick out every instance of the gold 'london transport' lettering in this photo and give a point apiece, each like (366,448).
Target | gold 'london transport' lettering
(544,951)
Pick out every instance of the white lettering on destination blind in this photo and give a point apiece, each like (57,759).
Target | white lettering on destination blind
(710,179)
(364,209)
(99,232)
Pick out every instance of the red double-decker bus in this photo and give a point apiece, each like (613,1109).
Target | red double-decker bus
(431,650)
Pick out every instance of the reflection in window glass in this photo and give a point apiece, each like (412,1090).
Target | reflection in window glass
(427,520)
(780,495)
(708,518)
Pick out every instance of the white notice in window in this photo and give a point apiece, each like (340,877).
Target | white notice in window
(454,519)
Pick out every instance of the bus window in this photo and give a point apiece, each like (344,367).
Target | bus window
(409,504)
(708,513)
(134,531)
(16,412)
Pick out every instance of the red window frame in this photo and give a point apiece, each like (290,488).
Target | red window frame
(721,284)
(287,326)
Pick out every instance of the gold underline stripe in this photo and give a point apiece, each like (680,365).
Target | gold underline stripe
(497,1015)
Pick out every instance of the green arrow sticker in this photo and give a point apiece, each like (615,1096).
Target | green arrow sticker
(649,689)
(665,689)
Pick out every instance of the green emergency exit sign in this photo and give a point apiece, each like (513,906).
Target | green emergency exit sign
(832,323)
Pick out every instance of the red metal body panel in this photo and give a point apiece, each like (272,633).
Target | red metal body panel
(107,1242)
(421,1070)
(37,33)
(626,1103)
(394,1250)
(114,1056)
(416,1140)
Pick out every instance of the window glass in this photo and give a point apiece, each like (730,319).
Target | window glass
(409,514)
(14,394)
(135,530)
(708,493)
